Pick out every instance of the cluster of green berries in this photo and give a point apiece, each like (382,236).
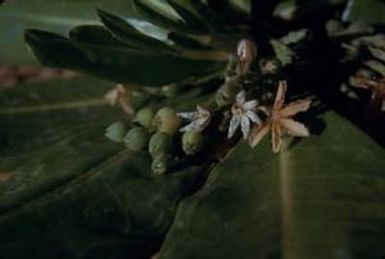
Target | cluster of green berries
(157,132)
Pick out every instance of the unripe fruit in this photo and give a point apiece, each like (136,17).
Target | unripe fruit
(136,139)
(159,165)
(170,90)
(116,131)
(192,142)
(160,144)
(145,116)
(167,121)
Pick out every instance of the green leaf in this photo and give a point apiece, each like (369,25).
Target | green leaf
(66,189)
(365,11)
(283,53)
(185,41)
(129,34)
(115,62)
(161,19)
(191,19)
(96,34)
(320,198)
(58,16)
(243,5)
(376,66)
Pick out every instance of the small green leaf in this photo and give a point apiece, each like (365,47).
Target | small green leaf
(185,41)
(376,66)
(365,11)
(151,15)
(294,37)
(282,52)
(191,19)
(244,5)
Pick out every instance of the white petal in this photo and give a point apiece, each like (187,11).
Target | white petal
(254,117)
(187,115)
(193,126)
(234,124)
(203,122)
(203,110)
(249,105)
(241,97)
(245,126)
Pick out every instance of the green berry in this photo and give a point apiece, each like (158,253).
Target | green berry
(159,165)
(167,121)
(192,142)
(160,144)
(145,116)
(116,131)
(136,139)
(170,90)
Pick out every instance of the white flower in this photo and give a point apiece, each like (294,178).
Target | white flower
(199,119)
(243,112)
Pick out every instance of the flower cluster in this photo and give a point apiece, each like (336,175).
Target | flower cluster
(238,107)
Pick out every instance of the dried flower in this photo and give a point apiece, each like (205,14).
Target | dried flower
(199,119)
(280,120)
(243,112)
(377,87)
(121,96)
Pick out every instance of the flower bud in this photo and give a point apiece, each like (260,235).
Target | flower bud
(167,121)
(116,131)
(247,52)
(160,144)
(145,116)
(192,142)
(136,139)
(159,165)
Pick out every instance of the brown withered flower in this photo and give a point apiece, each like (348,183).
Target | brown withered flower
(376,87)
(121,96)
(280,121)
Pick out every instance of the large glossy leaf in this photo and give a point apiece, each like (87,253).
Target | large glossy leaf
(323,197)
(126,32)
(68,192)
(57,15)
(116,62)
(365,11)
